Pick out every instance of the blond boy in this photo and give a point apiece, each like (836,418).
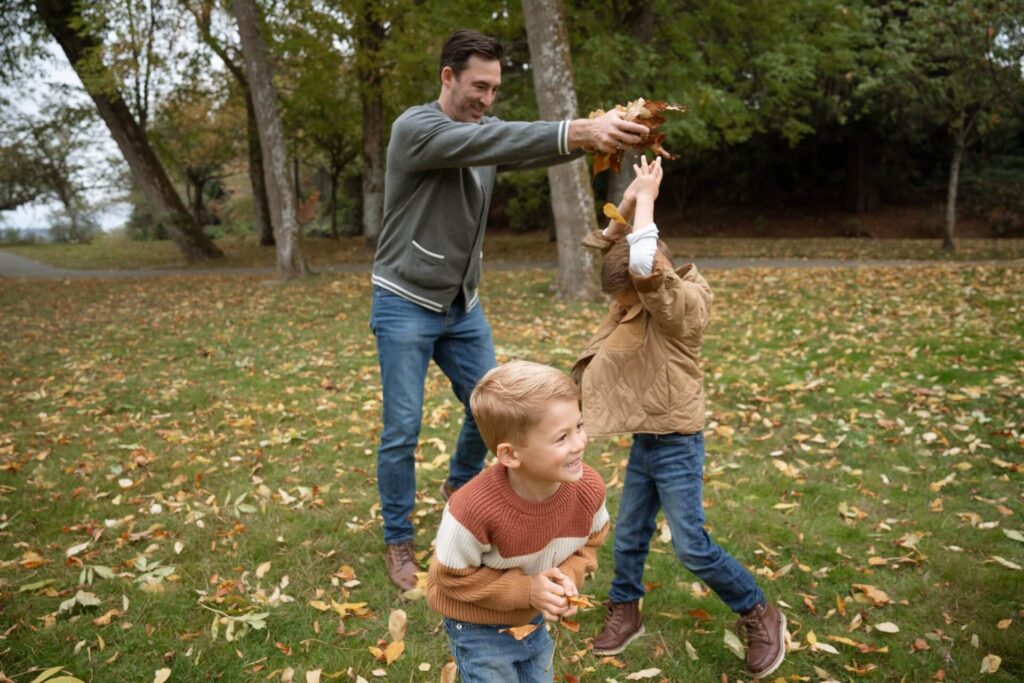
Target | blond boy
(517,541)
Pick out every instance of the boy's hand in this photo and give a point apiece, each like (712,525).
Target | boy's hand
(548,591)
(648,179)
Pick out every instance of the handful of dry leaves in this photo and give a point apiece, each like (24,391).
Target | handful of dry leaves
(648,113)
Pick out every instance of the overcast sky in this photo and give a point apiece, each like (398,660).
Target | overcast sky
(23,96)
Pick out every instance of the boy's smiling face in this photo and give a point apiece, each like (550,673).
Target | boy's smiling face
(552,452)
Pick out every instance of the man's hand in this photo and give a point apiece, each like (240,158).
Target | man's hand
(606,133)
(548,593)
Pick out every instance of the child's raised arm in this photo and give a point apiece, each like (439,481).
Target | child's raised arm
(643,241)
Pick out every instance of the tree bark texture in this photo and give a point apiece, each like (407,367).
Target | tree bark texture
(949,227)
(370,36)
(291,260)
(572,197)
(147,171)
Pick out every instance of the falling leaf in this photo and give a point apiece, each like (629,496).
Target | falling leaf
(611,211)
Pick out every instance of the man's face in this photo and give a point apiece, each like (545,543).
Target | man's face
(472,92)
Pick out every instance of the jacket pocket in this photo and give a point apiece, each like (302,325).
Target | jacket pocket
(424,267)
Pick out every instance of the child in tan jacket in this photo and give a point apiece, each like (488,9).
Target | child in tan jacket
(640,374)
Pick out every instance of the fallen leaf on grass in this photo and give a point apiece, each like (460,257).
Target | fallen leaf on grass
(876,596)
(449,672)
(887,627)
(640,675)
(161,675)
(1003,561)
(990,664)
(732,642)
(396,624)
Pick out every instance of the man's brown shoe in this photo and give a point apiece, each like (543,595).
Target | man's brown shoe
(622,625)
(765,630)
(401,561)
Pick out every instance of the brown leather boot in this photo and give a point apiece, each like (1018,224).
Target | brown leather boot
(765,630)
(622,625)
(401,561)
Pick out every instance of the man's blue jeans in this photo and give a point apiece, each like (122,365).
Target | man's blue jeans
(486,656)
(667,471)
(408,336)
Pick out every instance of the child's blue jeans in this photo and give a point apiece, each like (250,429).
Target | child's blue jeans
(486,656)
(666,471)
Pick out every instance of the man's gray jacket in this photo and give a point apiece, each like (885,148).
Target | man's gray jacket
(437,193)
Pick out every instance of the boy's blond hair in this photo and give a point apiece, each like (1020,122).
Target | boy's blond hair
(510,400)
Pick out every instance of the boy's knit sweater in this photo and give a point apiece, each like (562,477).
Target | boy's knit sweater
(491,542)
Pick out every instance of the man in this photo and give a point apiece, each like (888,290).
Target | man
(441,164)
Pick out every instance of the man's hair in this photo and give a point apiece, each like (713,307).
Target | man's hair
(511,399)
(615,277)
(465,43)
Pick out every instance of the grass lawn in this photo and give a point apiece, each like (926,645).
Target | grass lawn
(187,478)
(120,254)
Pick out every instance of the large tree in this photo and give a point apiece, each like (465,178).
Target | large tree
(82,48)
(291,259)
(572,197)
(203,11)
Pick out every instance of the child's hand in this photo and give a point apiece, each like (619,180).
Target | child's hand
(648,179)
(548,593)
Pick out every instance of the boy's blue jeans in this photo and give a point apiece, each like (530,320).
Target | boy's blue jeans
(486,656)
(667,471)
(408,336)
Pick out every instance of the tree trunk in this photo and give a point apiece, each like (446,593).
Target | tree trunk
(949,229)
(572,198)
(291,260)
(261,223)
(146,169)
(370,33)
(196,185)
(333,204)
(858,193)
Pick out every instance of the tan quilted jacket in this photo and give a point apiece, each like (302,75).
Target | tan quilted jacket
(640,372)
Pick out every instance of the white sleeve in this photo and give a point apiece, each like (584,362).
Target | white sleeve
(643,245)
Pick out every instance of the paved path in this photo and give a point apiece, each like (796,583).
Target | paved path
(12,265)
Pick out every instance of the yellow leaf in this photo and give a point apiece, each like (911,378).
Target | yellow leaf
(887,627)
(393,651)
(640,675)
(49,673)
(262,570)
(520,632)
(161,675)
(612,211)
(320,605)
(878,597)
(313,676)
